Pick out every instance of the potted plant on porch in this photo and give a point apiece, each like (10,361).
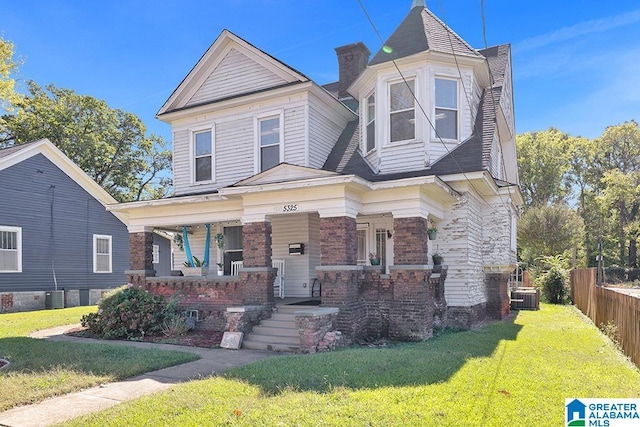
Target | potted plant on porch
(374,259)
(220,244)
(197,268)
(437,259)
(220,269)
(432,231)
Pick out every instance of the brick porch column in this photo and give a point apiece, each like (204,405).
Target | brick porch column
(410,241)
(339,274)
(257,274)
(140,257)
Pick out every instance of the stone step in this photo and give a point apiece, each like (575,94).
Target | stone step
(289,340)
(257,345)
(282,324)
(275,331)
(284,317)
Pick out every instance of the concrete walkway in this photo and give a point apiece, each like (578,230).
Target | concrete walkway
(63,408)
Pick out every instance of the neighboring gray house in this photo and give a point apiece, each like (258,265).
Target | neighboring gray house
(55,232)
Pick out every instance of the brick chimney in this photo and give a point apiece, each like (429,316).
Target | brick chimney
(352,59)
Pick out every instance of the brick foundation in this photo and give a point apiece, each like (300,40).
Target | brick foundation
(338,244)
(464,317)
(410,241)
(497,285)
(244,318)
(317,330)
(6,302)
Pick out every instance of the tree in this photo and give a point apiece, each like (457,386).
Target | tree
(8,66)
(543,162)
(110,145)
(549,231)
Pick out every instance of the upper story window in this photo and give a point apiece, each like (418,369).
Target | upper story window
(370,121)
(402,114)
(203,155)
(101,254)
(446,108)
(269,142)
(10,249)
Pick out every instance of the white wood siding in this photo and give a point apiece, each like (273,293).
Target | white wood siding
(460,243)
(295,136)
(235,149)
(497,228)
(324,130)
(181,161)
(235,74)
(292,229)
(402,157)
(197,240)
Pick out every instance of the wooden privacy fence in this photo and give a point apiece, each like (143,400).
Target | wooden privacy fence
(606,306)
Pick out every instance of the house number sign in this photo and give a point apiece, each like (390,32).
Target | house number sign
(289,208)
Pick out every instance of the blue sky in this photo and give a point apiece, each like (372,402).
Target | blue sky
(576,63)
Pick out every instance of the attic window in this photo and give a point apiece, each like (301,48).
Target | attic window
(269,129)
(203,156)
(447,108)
(402,111)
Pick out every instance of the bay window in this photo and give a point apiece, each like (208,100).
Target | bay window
(370,120)
(446,104)
(402,112)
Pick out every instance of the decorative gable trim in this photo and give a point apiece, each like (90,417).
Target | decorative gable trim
(217,52)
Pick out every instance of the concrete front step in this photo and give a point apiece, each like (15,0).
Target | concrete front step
(275,331)
(294,341)
(279,333)
(255,345)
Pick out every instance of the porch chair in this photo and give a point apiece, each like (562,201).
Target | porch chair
(278,284)
(235,267)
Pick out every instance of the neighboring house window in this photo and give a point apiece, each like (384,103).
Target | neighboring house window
(203,155)
(447,108)
(370,133)
(10,249)
(269,141)
(402,112)
(101,254)
(156,254)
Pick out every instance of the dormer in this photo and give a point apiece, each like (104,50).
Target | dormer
(419,95)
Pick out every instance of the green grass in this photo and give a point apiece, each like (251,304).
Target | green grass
(508,373)
(40,369)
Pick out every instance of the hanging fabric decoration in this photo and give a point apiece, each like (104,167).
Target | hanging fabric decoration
(207,244)
(187,248)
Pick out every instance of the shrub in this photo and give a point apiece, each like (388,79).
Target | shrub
(129,312)
(554,281)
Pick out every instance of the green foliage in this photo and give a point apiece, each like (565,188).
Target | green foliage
(550,231)
(129,312)
(554,281)
(196,262)
(8,66)
(110,145)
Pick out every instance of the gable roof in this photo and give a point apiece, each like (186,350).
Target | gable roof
(277,73)
(422,31)
(19,153)
(284,172)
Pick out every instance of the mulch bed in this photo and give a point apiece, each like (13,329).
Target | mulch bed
(196,338)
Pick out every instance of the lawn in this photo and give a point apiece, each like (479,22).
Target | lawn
(508,373)
(41,369)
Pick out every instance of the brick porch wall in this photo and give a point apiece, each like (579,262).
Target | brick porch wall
(411,315)
(141,251)
(341,289)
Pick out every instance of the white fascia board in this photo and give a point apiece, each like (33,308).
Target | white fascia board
(291,185)
(181,200)
(235,101)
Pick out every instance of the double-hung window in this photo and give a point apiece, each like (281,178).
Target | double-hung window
(203,155)
(269,142)
(10,249)
(102,251)
(446,108)
(370,120)
(402,113)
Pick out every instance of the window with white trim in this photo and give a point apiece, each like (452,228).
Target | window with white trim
(156,254)
(446,104)
(203,156)
(402,111)
(10,249)
(102,251)
(269,142)
(370,120)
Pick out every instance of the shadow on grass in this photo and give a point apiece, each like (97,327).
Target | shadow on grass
(402,364)
(31,355)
